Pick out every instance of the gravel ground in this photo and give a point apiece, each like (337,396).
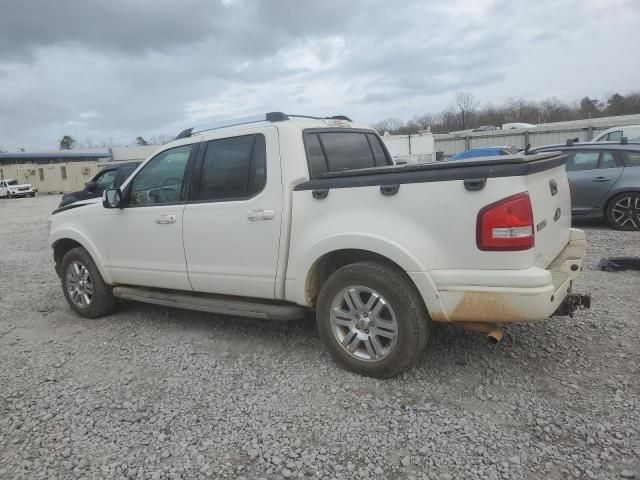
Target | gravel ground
(158,393)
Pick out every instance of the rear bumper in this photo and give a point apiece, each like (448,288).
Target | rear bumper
(506,295)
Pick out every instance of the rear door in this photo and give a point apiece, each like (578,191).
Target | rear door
(232,221)
(591,174)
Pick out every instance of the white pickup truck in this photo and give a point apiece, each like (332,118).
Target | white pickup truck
(279,215)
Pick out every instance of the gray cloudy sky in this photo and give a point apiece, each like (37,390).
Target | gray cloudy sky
(122,68)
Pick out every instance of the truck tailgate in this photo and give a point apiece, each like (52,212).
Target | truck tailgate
(551,204)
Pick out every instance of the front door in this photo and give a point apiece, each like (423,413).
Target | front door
(591,175)
(145,245)
(232,225)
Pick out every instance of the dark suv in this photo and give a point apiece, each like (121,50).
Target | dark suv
(604,180)
(110,177)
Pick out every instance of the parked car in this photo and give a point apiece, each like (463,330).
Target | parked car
(604,180)
(282,214)
(109,177)
(615,134)
(12,189)
(484,152)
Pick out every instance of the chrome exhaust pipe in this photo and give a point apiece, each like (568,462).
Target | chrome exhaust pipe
(493,331)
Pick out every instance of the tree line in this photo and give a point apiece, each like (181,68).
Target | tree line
(466,113)
(67,142)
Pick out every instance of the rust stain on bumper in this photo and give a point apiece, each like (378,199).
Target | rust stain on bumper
(484,307)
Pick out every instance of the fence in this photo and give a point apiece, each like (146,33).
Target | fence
(544,134)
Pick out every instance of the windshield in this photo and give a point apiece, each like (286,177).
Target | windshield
(12,182)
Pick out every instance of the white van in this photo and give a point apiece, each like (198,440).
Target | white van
(615,134)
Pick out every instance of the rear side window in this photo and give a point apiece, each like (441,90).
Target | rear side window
(317,162)
(340,151)
(631,159)
(233,168)
(607,160)
(582,161)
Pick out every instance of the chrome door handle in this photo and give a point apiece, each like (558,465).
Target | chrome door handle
(261,215)
(601,179)
(166,219)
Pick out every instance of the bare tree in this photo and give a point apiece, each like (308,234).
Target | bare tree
(466,104)
(391,125)
(555,110)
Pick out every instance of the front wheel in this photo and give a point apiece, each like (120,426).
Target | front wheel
(84,288)
(372,319)
(623,211)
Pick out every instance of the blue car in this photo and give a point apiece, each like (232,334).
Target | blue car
(484,152)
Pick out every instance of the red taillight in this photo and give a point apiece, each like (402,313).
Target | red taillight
(506,224)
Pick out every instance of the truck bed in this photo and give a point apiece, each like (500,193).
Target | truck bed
(477,168)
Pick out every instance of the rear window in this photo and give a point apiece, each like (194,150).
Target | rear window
(340,151)
(631,159)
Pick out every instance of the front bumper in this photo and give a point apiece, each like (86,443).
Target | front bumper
(508,296)
(22,193)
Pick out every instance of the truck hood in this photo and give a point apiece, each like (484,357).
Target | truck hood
(22,185)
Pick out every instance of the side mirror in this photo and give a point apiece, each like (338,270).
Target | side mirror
(112,198)
(90,186)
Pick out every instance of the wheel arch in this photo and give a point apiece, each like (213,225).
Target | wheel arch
(69,241)
(322,268)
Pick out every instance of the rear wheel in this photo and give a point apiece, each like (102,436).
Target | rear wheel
(372,319)
(623,211)
(84,288)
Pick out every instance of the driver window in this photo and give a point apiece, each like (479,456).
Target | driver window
(615,136)
(160,181)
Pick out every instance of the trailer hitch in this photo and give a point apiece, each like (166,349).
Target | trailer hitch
(573,302)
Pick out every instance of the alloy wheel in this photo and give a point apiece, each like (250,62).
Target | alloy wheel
(363,323)
(626,212)
(79,284)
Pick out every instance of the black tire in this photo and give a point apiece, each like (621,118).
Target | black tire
(32,195)
(412,320)
(623,211)
(102,301)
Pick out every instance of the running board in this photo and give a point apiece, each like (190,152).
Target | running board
(211,304)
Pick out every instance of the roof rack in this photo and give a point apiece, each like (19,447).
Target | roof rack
(335,117)
(267,117)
